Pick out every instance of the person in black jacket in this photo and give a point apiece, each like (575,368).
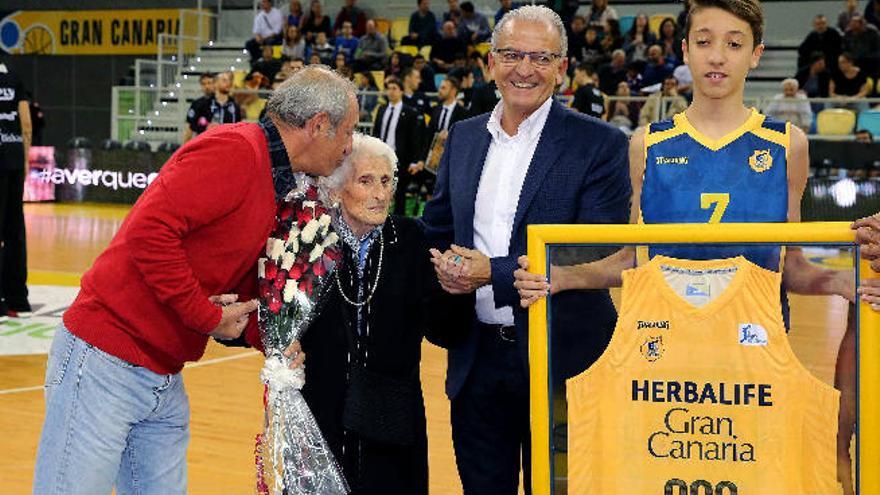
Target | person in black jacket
(363,351)
(401,127)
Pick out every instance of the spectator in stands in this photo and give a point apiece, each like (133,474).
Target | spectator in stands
(294,44)
(682,17)
(669,37)
(785,108)
(612,39)
(448,111)
(394,67)
(639,38)
(422,26)
(267,66)
(296,64)
(206,82)
(592,51)
(852,8)
(587,98)
(599,13)
(862,41)
(412,79)
(506,6)
(372,49)
(206,113)
(823,39)
(427,73)
(365,83)
(473,26)
(850,83)
(268,29)
(477,99)
(295,13)
(872,13)
(447,48)
(622,110)
(353,14)
(454,12)
(339,62)
(685,79)
(815,79)
(322,48)
(663,104)
(345,43)
(613,73)
(401,127)
(315,22)
(658,68)
(576,34)
(634,77)
(864,136)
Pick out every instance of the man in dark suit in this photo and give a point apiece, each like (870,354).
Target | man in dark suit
(401,127)
(447,112)
(531,161)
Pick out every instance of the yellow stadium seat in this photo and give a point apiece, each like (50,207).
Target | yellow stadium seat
(426,52)
(383,26)
(399,28)
(276,51)
(655,20)
(835,122)
(410,50)
(379,77)
(483,48)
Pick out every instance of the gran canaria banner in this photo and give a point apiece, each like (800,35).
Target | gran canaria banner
(91,32)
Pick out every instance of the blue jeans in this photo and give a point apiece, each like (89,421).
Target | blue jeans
(110,423)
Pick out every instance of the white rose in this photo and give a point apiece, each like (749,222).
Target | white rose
(330,239)
(287,260)
(290,290)
(261,268)
(277,249)
(269,244)
(294,246)
(308,233)
(316,253)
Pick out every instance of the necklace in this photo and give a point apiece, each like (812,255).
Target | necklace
(375,281)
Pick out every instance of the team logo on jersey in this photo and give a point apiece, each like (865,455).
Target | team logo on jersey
(752,334)
(672,160)
(761,161)
(652,349)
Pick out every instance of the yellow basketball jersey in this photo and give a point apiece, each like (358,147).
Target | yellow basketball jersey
(700,393)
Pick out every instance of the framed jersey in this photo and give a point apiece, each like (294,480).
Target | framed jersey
(699,390)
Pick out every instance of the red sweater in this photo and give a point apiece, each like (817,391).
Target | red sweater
(197,231)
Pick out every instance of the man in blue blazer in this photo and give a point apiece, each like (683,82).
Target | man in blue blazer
(531,161)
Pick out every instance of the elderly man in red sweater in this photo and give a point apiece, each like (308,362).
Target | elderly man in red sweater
(181,269)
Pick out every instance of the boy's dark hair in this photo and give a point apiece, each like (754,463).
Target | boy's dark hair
(393,81)
(587,68)
(206,75)
(467,7)
(454,82)
(748,10)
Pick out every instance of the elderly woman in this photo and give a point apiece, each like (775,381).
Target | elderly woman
(362,378)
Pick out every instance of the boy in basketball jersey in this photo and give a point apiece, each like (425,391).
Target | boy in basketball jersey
(718,161)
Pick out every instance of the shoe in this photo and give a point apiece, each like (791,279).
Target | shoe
(11,313)
(19,310)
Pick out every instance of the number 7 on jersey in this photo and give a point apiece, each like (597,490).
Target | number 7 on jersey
(720,200)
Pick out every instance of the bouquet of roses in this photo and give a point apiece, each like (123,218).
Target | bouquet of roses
(292,456)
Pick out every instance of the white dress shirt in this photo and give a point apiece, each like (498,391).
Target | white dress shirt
(446,116)
(504,172)
(391,112)
(268,24)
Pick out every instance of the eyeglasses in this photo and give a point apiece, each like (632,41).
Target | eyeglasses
(509,56)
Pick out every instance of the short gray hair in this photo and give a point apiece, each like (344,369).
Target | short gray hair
(312,90)
(790,80)
(362,146)
(533,13)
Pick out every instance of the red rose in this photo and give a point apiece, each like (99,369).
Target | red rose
(280,279)
(305,285)
(303,215)
(319,269)
(271,270)
(264,288)
(286,212)
(312,193)
(296,271)
(275,305)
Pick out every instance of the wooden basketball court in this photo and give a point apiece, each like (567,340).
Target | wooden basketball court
(224,388)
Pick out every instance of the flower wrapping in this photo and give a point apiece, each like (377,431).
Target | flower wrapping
(292,457)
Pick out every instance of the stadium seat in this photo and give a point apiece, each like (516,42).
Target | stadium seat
(168,146)
(426,52)
(869,120)
(654,22)
(110,144)
(379,77)
(410,50)
(383,26)
(626,22)
(399,29)
(835,122)
(79,142)
(135,145)
(438,78)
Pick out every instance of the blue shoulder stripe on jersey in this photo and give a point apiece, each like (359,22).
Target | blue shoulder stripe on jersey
(774,125)
(663,125)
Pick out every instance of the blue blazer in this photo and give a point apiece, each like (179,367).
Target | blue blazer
(578,174)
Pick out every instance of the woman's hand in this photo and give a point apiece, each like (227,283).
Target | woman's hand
(295,353)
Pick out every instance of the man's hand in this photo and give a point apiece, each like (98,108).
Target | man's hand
(415,168)
(234,319)
(868,237)
(530,286)
(295,353)
(461,270)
